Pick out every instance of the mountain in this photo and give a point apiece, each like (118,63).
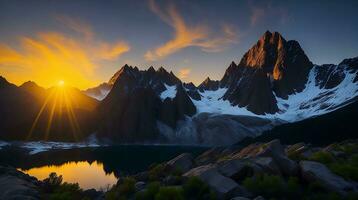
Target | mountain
(138,101)
(30,112)
(274,86)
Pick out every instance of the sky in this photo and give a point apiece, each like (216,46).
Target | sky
(85,42)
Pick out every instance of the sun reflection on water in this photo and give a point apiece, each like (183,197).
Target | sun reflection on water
(86,175)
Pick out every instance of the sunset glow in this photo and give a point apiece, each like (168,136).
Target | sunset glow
(81,172)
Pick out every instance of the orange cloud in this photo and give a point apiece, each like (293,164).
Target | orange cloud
(186,36)
(184,73)
(52,56)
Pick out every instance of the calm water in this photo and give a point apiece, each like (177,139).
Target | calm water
(92,167)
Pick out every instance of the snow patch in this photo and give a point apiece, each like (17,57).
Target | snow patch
(40,146)
(312,101)
(212,102)
(102,94)
(170,92)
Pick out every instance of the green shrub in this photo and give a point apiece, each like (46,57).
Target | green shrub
(123,190)
(322,157)
(67,191)
(349,148)
(293,189)
(156,172)
(149,193)
(325,196)
(196,189)
(346,170)
(52,182)
(169,193)
(127,187)
(265,185)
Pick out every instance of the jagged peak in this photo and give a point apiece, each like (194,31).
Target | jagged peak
(349,61)
(151,69)
(271,37)
(232,64)
(162,70)
(124,69)
(207,80)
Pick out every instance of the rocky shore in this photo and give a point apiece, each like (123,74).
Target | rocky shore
(258,171)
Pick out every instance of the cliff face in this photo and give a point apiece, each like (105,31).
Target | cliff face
(273,66)
(138,100)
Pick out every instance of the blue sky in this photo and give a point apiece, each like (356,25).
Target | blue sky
(194,39)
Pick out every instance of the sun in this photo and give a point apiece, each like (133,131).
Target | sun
(61,83)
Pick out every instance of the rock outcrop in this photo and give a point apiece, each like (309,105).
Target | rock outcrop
(314,171)
(17,185)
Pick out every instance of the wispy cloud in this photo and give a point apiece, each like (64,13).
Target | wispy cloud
(51,56)
(186,36)
(260,12)
(184,73)
(256,15)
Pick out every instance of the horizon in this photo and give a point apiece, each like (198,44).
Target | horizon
(84,44)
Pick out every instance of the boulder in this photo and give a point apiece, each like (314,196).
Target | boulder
(17,185)
(267,164)
(275,150)
(209,156)
(197,171)
(238,169)
(183,162)
(314,171)
(223,186)
(272,149)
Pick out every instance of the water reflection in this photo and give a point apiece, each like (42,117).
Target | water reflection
(92,167)
(85,174)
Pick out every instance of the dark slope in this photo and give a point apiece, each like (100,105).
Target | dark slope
(131,110)
(321,130)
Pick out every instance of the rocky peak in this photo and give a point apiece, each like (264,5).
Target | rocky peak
(351,62)
(209,84)
(266,53)
(273,66)
(126,69)
(189,86)
(229,75)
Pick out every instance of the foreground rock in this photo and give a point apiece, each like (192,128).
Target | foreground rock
(183,162)
(273,150)
(223,186)
(17,185)
(314,171)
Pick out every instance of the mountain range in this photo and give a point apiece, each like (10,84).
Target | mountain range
(274,85)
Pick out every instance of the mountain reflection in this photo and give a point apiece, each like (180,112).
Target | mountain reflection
(108,163)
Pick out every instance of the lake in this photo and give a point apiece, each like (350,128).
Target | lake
(93,167)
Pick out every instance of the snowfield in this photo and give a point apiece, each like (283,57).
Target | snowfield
(312,101)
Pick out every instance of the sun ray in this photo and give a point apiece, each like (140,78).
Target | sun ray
(52,112)
(33,126)
(72,116)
